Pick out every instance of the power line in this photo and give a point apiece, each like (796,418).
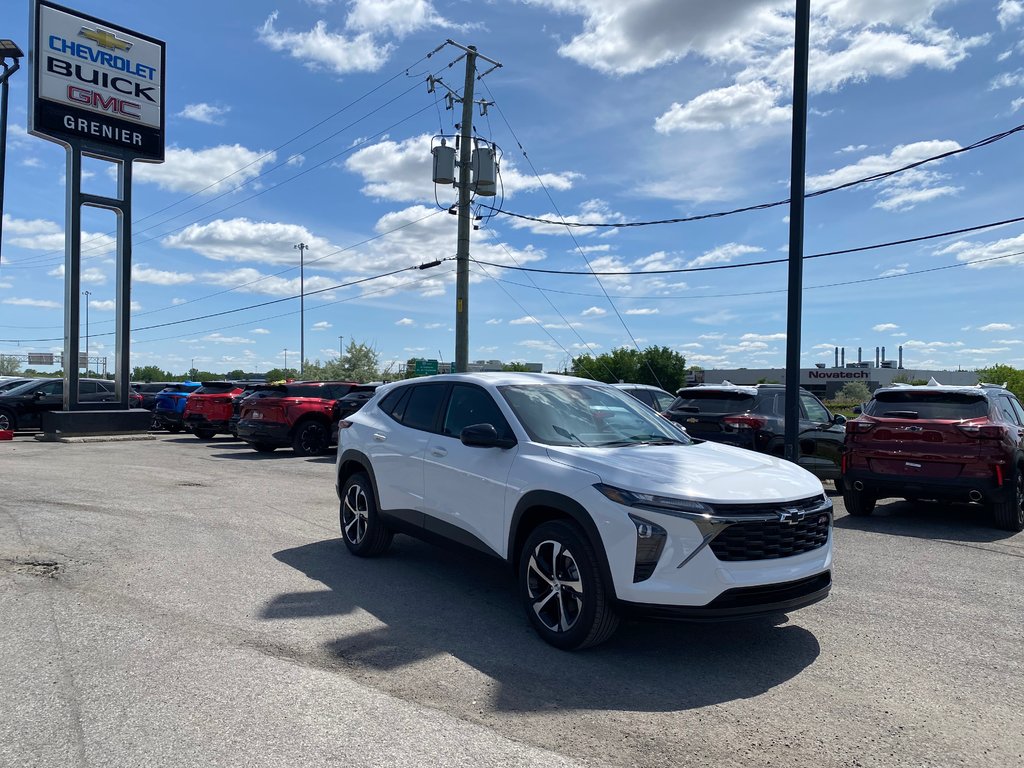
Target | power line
(758,263)
(689,296)
(579,249)
(250,306)
(761,206)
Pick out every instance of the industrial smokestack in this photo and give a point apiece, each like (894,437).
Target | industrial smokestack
(901,357)
(878,362)
(859,358)
(837,357)
(883,354)
(842,358)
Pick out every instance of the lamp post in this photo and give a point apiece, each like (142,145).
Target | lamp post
(286,361)
(87,294)
(8,50)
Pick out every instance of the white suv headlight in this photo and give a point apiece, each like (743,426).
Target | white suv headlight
(669,505)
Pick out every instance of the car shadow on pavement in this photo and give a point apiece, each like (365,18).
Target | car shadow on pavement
(928,520)
(435,602)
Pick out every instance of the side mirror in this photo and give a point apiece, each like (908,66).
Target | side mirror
(839,419)
(484,436)
(37,395)
(858,410)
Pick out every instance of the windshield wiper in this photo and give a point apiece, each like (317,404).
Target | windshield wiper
(566,434)
(641,440)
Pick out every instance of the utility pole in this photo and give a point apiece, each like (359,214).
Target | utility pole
(286,361)
(302,307)
(8,50)
(87,294)
(341,348)
(796,231)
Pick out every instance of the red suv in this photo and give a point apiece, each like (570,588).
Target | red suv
(298,414)
(208,409)
(938,442)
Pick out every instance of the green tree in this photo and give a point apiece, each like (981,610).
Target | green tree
(149,373)
(280,374)
(999,374)
(520,367)
(853,392)
(9,365)
(658,366)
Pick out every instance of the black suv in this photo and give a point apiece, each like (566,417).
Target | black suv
(754,417)
(22,407)
(949,443)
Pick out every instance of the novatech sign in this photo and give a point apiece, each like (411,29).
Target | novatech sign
(96,84)
(834,375)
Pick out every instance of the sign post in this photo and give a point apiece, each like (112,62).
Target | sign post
(96,88)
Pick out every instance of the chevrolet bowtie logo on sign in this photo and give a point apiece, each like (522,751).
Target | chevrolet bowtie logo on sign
(105,39)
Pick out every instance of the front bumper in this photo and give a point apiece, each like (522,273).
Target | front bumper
(750,576)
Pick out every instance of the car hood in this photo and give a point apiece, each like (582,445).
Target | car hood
(709,472)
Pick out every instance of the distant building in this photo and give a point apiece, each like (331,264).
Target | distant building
(422,367)
(826,382)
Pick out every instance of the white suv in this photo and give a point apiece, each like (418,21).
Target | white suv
(602,506)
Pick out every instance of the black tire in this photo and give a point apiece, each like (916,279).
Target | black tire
(858,503)
(1008,513)
(7,421)
(563,592)
(204,434)
(264,447)
(174,428)
(311,438)
(364,533)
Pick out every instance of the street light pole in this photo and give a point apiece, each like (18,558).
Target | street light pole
(8,50)
(302,307)
(286,361)
(341,348)
(87,294)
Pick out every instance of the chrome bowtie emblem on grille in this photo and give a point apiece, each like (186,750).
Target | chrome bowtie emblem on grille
(791,516)
(912,429)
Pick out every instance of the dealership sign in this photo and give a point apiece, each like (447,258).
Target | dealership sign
(96,85)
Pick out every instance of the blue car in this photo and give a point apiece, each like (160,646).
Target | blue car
(170,405)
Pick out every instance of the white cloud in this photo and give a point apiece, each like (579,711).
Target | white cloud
(494,321)
(996,327)
(323,325)
(205,113)
(731,107)
(397,17)
(594,312)
(260,331)
(321,49)
(109,305)
(92,275)
(160,277)
(268,242)
(590,212)
(218,338)
(899,269)
(882,327)
(642,311)
(527,320)
(724,254)
(1010,12)
(998,253)
(405,321)
(39,303)
(205,171)
(904,190)
(763,337)
(1007,80)
(852,148)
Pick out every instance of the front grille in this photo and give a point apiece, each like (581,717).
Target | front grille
(771,540)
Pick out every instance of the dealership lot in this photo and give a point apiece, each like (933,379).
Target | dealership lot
(179,602)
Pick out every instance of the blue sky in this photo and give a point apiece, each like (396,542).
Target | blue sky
(626,111)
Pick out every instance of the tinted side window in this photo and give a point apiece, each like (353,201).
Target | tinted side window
(816,412)
(389,403)
(1015,404)
(1006,408)
(87,388)
(472,405)
(55,387)
(423,406)
(662,401)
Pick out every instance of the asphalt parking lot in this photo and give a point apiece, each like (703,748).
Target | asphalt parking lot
(177,602)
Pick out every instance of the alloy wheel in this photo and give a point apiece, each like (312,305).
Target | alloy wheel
(554,586)
(355,514)
(5,421)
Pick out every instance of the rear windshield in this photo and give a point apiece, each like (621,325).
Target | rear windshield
(713,402)
(927,405)
(215,388)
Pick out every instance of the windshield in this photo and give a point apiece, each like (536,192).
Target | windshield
(915,404)
(712,401)
(21,389)
(587,415)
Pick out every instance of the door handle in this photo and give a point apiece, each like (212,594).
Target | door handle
(438,452)
(379,437)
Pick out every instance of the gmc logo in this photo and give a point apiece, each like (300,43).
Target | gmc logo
(111,104)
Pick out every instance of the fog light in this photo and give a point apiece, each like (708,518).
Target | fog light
(650,542)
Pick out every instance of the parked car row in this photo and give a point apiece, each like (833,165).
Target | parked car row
(24,401)
(923,442)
